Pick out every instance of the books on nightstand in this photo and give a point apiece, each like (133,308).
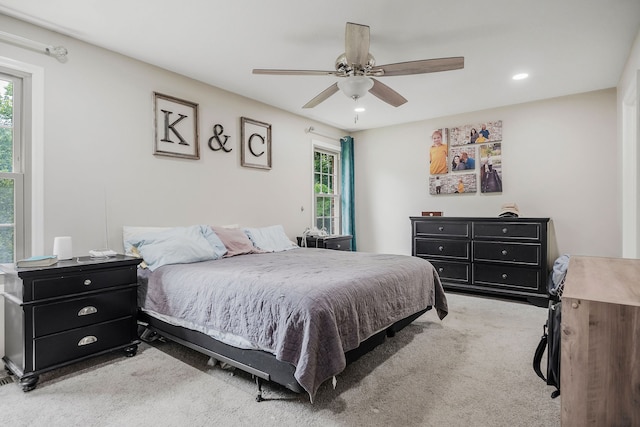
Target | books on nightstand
(37,261)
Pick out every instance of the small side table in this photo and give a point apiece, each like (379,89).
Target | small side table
(70,311)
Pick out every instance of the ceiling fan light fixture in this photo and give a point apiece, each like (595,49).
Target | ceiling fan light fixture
(355,86)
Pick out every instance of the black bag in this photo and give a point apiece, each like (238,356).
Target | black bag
(550,342)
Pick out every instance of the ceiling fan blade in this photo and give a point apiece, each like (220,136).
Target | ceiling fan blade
(421,67)
(294,72)
(322,96)
(356,44)
(387,94)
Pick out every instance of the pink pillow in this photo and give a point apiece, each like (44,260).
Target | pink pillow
(236,241)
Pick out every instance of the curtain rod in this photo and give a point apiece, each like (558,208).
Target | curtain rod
(310,129)
(58,52)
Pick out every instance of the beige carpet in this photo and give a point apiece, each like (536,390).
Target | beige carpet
(471,369)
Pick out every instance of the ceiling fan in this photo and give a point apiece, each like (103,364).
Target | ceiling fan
(358,66)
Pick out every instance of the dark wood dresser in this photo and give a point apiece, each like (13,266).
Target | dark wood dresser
(70,311)
(338,243)
(492,256)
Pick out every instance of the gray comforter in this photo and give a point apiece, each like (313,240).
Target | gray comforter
(306,306)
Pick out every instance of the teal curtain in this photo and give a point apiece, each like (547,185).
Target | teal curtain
(348,202)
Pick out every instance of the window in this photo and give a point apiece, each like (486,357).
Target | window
(11,170)
(326,185)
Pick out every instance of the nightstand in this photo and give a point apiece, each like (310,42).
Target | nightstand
(68,312)
(338,242)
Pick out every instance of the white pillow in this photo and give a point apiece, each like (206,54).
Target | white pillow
(131,234)
(179,245)
(270,239)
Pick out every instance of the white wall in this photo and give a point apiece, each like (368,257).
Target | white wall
(629,141)
(99,141)
(560,160)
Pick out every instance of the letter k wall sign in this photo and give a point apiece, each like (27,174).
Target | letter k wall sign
(176,127)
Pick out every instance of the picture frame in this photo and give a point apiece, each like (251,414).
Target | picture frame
(176,127)
(255,147)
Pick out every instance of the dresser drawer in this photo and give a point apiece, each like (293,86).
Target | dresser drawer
(452,271)
(453,249)
(77,312)
(513,253)
(76,343)
(442,228)
(78,282)
(506,230)
(506,276)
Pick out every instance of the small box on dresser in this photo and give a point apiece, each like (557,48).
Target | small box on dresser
(492,256)
(67,312)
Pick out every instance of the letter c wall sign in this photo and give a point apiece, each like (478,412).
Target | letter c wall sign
(255,150)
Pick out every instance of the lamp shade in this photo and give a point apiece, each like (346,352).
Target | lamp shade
(355,86)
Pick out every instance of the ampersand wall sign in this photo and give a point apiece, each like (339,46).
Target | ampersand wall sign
(217,144)
(255,150)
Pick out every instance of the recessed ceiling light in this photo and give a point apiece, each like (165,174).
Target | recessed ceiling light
(520,76)
(359,109)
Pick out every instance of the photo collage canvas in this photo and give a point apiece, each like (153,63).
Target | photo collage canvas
(466,158)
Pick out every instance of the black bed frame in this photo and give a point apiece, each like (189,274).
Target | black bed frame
(263,366)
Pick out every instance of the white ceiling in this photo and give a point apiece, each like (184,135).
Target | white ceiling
(566,46)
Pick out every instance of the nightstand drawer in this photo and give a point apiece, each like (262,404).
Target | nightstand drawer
(338,243)
(452,271)
(513,253)
(507,230)
(81,342)
(76,283)
(454,249)
(501,276)
(77,312)
(442,228)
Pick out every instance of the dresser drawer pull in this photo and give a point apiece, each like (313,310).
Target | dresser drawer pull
(338,246)
(87,310)
(440,270)
(87,282)
(504,252)
(505,230)
(504,275)
(441,228)
(441,248)
(89,339)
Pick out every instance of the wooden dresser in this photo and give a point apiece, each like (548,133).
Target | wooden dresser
(72,310)
(494,256)
(600,343)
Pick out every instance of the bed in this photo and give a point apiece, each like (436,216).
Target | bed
(296,317)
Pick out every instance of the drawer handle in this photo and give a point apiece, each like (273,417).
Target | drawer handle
(504,252)
(441,228)
(504,275)
(505,230)
(440,270)
(87,282)
(89,339)
(441,248)
(338,246)
(87,310)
